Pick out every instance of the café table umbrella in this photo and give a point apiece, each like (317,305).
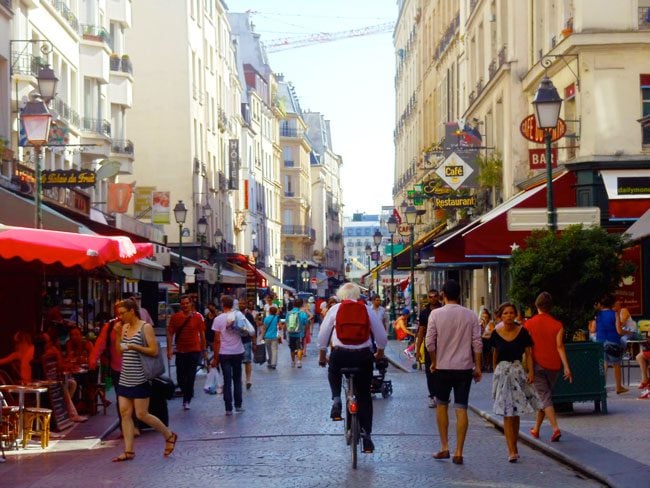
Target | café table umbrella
(69,249)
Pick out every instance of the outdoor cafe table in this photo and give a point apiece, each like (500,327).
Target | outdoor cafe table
(21,390)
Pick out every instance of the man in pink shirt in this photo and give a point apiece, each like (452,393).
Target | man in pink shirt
(454,343)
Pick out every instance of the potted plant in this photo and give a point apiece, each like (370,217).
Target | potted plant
(568,28)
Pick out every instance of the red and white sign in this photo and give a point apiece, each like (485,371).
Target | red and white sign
(537,158)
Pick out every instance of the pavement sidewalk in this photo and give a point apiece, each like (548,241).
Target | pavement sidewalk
(611,448)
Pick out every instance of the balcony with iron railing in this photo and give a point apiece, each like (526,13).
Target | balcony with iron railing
(99,126)
(290,132)
(66,112)
(96,33)
(26,64)
(299,230)
(644,18)
(122,146)
(122,64)
(68,15)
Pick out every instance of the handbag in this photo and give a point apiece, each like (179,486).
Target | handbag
(260,354)
(243,326)
(153,366)
(164,385)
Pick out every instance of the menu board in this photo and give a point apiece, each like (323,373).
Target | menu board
(60,419)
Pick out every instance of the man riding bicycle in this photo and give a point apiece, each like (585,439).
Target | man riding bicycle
(351,329)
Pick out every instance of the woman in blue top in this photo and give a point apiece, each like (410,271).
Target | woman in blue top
(270,336)
(609,331)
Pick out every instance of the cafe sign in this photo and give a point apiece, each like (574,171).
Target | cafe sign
(454,171)
(67,178)
(532,133)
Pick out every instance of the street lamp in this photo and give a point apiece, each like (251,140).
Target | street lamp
(391,224)
(305,279)
(368,253)
(411,219)
(547,104)
(377,238)
(180,214)
(256,254)
(36,120)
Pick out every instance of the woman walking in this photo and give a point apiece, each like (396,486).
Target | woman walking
(609,331)
(549,357)
(512,388)
(134,390)
(270,336)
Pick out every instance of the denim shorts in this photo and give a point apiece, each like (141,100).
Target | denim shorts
(248,352)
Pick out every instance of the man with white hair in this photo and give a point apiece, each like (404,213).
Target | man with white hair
(350,329)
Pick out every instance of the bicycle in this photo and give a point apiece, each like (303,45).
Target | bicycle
(351,424)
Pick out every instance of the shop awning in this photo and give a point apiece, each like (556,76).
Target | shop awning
(144,269)
(273,281)
(232,278)
(253,275)
(640,229)
(68,249)
(19,211)
(448,251)
(490,238)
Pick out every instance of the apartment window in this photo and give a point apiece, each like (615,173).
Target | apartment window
(288,186)
(645,107)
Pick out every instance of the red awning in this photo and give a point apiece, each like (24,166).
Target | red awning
(252,273)
(69,249)
(491,237)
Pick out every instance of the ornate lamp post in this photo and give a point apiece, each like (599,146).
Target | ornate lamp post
(255,254)
(391,224)
(547,104)
(368,253)
(411,218)
(377,238)
(180,214)
(218,239)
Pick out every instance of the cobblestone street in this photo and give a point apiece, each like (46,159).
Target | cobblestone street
(285,439)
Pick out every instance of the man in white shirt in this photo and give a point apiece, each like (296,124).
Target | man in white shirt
(378,311)
(356,353)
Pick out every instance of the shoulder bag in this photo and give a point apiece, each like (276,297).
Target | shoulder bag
(153,366)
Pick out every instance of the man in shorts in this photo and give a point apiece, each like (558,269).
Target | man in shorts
(453,340)
(249,343)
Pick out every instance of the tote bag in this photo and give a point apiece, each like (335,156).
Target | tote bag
(153,366)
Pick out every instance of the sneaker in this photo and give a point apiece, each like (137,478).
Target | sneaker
(645,395)
(432,403)
(239,409)
(228,413)
(367,444)
(300,364)
(335,412)
(293,364)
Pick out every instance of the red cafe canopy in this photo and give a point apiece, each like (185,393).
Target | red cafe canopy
(69,249)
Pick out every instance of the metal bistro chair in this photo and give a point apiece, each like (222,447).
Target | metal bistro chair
(9,418)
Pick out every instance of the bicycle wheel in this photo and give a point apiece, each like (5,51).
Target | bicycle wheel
(354,438)
(346,426)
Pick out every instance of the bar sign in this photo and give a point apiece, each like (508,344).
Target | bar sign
(537,158)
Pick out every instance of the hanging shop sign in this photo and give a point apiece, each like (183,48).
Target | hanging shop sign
(119,196)
(537,158)
(67,178)
(454,171)
(160,207)
(532,133)
(142,202)
(233,160)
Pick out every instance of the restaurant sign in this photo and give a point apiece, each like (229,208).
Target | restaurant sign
(454,202)
(68,178)
(454,171)
(630,291)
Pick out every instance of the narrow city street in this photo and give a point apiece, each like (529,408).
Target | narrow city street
(285,438)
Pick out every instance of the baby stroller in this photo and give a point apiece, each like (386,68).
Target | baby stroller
(379,384)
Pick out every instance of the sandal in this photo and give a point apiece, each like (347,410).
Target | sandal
(441,455)
(534,433)
(170,444)
(125,456)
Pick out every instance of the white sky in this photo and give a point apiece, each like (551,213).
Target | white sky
(350,81)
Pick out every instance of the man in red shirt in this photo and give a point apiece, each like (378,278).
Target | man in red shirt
(549,356)
(188,329)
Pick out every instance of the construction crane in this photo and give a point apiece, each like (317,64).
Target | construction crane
(285,43)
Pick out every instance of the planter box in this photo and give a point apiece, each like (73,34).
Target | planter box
(588,367)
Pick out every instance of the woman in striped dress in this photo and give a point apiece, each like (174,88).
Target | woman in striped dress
(134,389)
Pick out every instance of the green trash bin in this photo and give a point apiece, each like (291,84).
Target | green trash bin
(587,364)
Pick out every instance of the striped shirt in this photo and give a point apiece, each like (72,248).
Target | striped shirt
(132,373)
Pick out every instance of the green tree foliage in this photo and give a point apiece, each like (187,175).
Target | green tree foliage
(577,267)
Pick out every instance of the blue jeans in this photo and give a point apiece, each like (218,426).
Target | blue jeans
(231,369)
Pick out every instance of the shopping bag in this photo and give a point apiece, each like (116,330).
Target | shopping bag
(260,354)
(211,382)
